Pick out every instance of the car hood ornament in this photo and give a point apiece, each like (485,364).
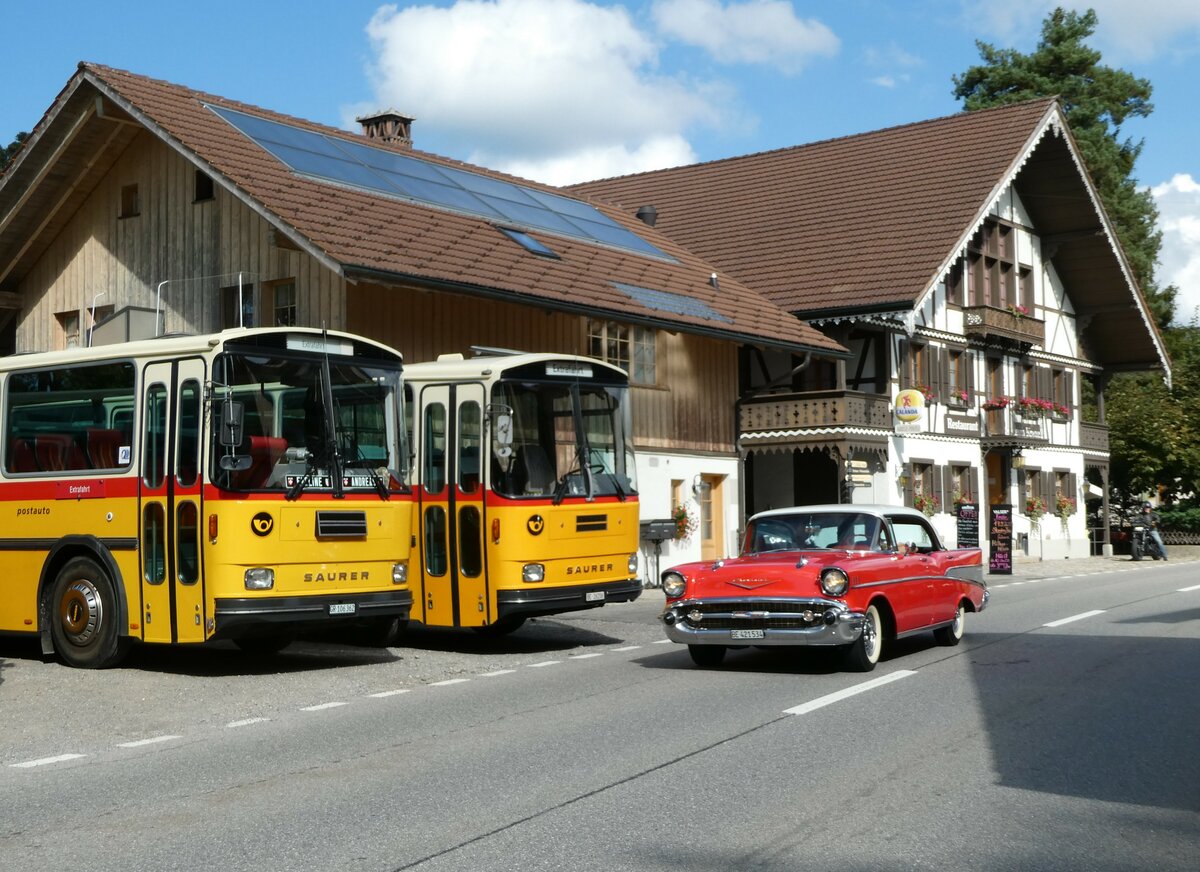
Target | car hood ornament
(750,583)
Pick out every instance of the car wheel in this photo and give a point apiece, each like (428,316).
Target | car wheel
(85,616)
(707,655)
(271,644)
(864,653)
(952,633)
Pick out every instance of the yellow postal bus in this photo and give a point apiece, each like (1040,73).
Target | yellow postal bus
(525,488)
(244,485)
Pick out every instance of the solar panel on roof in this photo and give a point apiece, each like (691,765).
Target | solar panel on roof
(665,301)
(338,161)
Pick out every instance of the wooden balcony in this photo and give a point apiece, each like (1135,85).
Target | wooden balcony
(1093,437)
(989,324)
(816,409)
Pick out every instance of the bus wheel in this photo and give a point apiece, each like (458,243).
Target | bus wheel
(85,615)
(502,627)
(267,644)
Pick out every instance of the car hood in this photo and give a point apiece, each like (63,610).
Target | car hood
(785,573)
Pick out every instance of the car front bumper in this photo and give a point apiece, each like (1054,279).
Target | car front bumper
(766,622)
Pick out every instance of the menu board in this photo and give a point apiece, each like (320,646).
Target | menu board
(968,525)
(1000,540)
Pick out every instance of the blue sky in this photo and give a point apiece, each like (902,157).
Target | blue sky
(565,90)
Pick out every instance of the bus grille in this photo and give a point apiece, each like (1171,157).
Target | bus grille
(590,523)
(341,525)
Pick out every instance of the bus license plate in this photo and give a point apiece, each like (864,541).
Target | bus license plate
(594,596)
(746,634)
(341,608)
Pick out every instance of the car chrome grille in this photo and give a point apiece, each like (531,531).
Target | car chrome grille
(754,615)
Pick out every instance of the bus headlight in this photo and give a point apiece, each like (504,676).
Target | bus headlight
(399,573)
(533,572)
(673,584)
(633,564)
(834,582)
(260,578)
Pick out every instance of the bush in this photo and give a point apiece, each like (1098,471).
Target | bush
(1181,519)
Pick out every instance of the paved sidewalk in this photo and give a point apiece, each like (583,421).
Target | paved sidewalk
(1031,567)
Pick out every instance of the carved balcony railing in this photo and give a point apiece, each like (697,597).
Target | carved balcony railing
(815,409)
(989,323)
(1093,437)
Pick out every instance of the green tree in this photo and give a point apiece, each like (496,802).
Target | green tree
(1097,100)
(8,152)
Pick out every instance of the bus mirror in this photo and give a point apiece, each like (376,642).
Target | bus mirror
(235,462)
(502,435)
(232,413)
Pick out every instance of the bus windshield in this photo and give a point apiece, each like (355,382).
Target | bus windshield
(286,419)
(568,440)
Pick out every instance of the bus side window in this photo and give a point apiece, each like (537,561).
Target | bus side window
(435,448)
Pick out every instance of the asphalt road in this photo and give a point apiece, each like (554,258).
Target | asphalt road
(1061,734)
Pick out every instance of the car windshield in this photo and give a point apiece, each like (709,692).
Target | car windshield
(805,531)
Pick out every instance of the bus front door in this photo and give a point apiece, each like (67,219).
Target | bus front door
(454,590)
(173,608)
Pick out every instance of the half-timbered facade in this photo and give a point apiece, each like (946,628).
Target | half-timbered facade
(969,267)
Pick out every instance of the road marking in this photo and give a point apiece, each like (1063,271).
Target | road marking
(543,663)
(1189,589)
(628,648)
(661,642)
(247,722)
(450,681)
(45,761)
(498,672)
(152,741)
(587,656)
(821,702)
(386,693)
(1079,617)
(322,706)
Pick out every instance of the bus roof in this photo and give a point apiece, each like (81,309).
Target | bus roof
(456,367)
(175,346)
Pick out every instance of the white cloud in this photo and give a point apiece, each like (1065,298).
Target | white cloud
(1128,31)
(892,61)
(1178,203)
(556,88)
(752,32)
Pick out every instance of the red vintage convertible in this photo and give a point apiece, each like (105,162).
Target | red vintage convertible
(850,576)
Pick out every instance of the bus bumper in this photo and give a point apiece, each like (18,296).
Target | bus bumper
(531,602)
(234,616)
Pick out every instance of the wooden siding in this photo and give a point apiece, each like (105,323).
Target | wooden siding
(197,247)
(690,410)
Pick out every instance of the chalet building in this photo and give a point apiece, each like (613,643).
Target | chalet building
(968,265)
(138,207)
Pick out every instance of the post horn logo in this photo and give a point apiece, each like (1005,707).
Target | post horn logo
(535,524)
(262,524)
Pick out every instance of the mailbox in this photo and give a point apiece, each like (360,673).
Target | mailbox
(658,530)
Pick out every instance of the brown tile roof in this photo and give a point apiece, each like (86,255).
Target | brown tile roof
(859,223)
(397,240)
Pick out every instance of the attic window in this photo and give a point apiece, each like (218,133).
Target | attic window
(130,206)
(528,242)
(204,187)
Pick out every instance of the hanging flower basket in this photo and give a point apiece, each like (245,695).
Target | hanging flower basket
(1035,508)
(928,504)
(994,404)
(1063,507)
(685,522)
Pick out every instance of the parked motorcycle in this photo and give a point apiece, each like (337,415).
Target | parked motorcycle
(1142,543)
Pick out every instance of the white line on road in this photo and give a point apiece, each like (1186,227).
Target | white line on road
(45,761)
(661,642)
(450,681)
(247,722)
(821,702)
(152,741)
(1189,589)
(498,672)
(1079,617)
(543,663)
(322,706)
(628,648)
(587,656)
(386,693)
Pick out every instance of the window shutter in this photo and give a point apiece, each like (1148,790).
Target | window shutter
(975,490)
(943,371)
(938,474)
(1048,489)
(948,488)
(1022,490)
(1046,391)
(1073,484)
(905,364)
(969,369)
(1069,387)
(908,487)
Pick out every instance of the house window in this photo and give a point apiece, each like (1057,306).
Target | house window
(283,306)
(130,204)
(204,187)
(954,284)
(994,276)
(634,349)
(962,484)
(68,329)
(958,376)
(230,316)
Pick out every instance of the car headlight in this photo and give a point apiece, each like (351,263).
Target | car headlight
(259,578)
(834,582)
(533,572)
(673,584)
(399,573)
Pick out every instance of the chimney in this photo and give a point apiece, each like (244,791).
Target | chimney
(387,126)
(648,214)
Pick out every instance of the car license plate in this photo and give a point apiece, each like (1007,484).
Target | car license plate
(341,608)
(746,634)
(594,596)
